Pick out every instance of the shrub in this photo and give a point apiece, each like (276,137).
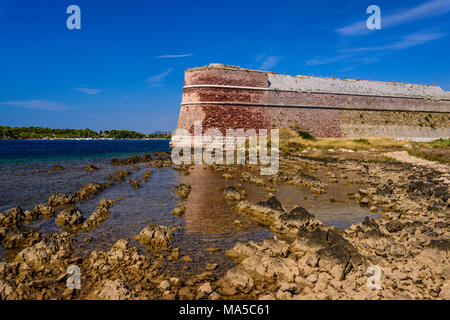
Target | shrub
(306,135)
(361,140)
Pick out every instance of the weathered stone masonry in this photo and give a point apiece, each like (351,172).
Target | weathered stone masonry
(226,97)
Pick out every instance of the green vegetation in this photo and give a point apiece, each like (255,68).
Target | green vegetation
(306,135)
(124,134)
(441,155)
(437,150)
(42,133)
(159,135)
(362,140)
(291,140)
(441,143)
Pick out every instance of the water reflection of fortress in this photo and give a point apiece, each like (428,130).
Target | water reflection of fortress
(206,209)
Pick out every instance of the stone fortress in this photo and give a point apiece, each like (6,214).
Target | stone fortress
(228,97)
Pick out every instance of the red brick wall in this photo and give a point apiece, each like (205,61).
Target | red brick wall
(320,121)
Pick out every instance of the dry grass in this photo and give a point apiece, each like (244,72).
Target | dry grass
(291,141)
(439,155)
(439,150)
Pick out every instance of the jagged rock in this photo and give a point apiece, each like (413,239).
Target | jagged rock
(179,211)
(368,228)
(289,224)
(43,210)
(248,177)
(443,244)
(445,291)
(214,296)
(119,175)
(60,199)
(6,289)
(185,293)
(211,266)
(332,249)
(230,193)
(205,288)
(12,216)
(263,214)
(266,261)
(394,226)
(91,167)
(164,285)
(69,216)
(51,248)
(90,190)
(183,190)
(114,290)
(156,236)
(364,201)
(273,203)
(100,215)
(206,276)
(187,259)
(298,214)
(119,259)
(236,280)
(132,160)
(19,239)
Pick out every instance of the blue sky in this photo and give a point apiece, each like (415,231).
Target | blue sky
(125,68)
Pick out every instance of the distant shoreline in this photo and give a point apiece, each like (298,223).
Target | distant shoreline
(39,133)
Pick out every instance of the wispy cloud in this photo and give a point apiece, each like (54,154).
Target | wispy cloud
(37,105)
(154,80)
(89,91)
(269,62)
(174,56)
(359,54)
(407,42)
(425,10)
(327,60)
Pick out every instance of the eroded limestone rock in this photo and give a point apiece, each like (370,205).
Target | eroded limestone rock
(155,236)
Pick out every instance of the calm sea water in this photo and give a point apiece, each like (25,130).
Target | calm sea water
(34,150)
(27,178)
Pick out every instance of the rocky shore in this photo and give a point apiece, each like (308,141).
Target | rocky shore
(405,236)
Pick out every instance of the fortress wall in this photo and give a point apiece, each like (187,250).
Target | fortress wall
(226,76)
(229,97)
(358,87)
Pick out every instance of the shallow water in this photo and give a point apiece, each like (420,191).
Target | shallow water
(208,221)
(341,213)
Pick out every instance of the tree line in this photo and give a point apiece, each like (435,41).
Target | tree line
(41,133)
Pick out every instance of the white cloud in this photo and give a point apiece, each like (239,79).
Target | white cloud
(157,78)
(357,54)
(328,60)
(268,62)
(407,42)
(37,105)
(174,56)
(89,91)
(427,9)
